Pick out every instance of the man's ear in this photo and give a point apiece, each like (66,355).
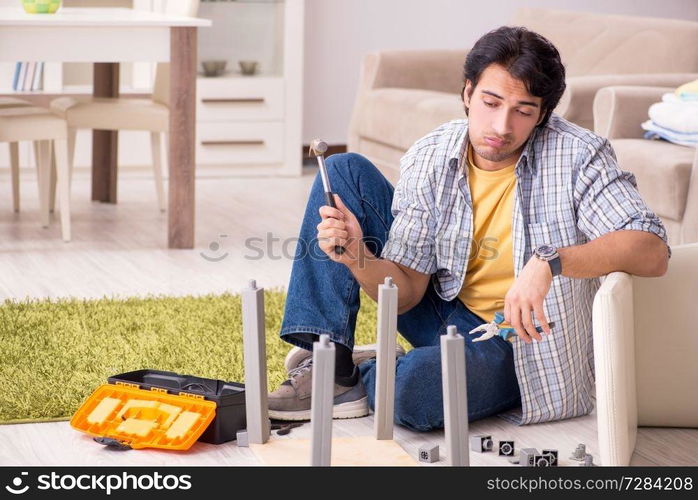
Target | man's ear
(543,112)
(467,90)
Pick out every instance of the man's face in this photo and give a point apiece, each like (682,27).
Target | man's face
(502,115)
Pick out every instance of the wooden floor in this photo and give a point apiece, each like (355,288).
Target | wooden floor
(245,229)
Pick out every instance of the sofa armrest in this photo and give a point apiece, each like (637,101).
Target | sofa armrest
(619,111)
(440,70)
(614,364)
(576,103)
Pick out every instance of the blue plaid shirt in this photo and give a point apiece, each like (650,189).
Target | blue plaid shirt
(569,191)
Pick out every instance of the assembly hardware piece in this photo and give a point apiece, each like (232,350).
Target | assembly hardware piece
(481,443)
(429,454)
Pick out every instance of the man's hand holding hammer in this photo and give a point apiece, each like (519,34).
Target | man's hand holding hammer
(340,229)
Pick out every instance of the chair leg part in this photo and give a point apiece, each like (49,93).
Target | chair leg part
(63,174)
(157,169)
(72,134)
(52,183)
(43,154)
(14,167)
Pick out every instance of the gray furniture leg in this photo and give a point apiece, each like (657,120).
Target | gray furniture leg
(321,401)
(256,407)
(385,359)
(455,396)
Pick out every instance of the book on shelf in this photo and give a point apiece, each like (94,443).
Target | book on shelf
(15,78)
(38,73)
(28,76)
(22,75)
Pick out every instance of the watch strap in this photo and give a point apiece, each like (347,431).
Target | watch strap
(555,266)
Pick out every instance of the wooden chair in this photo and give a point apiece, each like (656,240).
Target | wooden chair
(50,135)
(13,102)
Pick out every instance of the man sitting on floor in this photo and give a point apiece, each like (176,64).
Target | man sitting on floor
(513,209)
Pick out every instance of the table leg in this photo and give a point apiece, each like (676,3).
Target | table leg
(105,142)
(182,141)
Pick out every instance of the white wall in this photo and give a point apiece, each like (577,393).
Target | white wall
(340,32)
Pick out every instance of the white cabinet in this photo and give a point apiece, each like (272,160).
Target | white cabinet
(253,120)
(242,122)
(255,99)
(240,143)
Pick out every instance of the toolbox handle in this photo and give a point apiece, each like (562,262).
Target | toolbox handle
(195,386)
(112,443)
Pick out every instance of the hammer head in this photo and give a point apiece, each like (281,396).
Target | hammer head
(318,147)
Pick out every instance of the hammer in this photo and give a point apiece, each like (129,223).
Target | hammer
(318,148)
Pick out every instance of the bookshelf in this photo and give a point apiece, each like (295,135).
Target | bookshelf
(75,78)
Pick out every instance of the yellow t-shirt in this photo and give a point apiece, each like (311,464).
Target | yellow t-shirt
(490,270)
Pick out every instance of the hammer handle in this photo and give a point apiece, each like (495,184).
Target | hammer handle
(330,201)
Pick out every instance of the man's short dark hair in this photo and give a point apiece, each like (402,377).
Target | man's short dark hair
(527,56)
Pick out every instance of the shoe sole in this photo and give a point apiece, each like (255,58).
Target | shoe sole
(351,409)
(296,355)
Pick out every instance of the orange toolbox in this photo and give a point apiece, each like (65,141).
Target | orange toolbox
(158,409)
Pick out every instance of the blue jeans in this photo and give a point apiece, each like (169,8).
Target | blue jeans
(323,298)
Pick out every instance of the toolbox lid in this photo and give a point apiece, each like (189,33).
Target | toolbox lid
(223,393)
(141,418)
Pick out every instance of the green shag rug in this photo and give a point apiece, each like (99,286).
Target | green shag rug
(54,353)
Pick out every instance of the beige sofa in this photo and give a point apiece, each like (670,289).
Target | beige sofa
(403,95)
(666,173)
(645,353)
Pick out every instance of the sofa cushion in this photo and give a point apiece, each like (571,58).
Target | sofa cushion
(399,117)
(662,170)
(602,44)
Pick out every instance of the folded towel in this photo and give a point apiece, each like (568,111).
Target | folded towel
(684,97)
(655,131)
(675,115)
(688,91)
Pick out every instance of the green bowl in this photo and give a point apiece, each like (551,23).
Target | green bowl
(41,6)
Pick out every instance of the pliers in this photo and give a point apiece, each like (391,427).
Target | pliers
(493,329)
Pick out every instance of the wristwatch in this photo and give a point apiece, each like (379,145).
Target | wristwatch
(548,253)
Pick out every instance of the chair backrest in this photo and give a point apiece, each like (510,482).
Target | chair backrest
(161,85)
(666,342)
(601,44)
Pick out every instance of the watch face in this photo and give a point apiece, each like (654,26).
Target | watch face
(546,251)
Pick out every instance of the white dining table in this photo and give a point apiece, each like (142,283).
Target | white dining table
(107,37)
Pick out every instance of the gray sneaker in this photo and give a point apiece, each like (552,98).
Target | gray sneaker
(361,353)
(291,401)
